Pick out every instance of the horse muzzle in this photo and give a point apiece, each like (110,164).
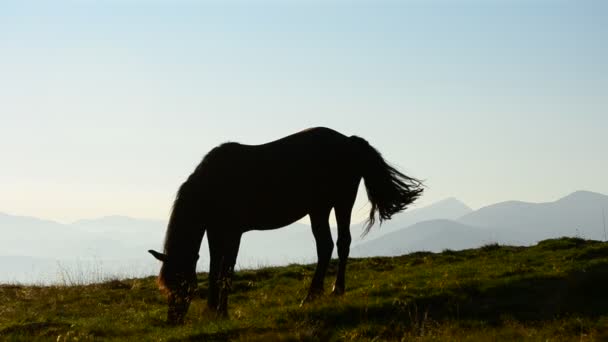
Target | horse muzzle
(178,307)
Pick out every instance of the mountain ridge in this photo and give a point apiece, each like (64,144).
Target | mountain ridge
(453,225)
(508,222)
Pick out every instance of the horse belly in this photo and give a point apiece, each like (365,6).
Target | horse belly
(266,214)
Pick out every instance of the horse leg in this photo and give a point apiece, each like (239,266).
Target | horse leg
(214,270)
(325,245)
(343,244)
(343,210)
(227,271)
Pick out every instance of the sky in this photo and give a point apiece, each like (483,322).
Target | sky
(107,106)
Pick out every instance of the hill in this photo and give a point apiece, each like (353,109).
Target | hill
(554,290)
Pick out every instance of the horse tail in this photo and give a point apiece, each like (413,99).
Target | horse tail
(388,190)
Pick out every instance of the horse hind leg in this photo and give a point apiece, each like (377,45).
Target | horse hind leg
(325,245)
(343,214)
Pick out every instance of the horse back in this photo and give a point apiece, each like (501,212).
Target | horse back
(277,183)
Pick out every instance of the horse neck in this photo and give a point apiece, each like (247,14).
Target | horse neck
(184,232)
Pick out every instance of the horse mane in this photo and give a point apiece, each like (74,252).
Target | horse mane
(188,198)
(174,237)
(178,211)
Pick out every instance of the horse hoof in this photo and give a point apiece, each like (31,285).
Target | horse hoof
(337,292)
(305,301)
(311,297)
(221,313)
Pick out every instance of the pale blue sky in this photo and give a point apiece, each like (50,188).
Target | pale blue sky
(106,106)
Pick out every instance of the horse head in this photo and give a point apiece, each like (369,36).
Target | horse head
(177,279)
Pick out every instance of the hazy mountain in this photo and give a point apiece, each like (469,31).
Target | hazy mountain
(291,244)
(296,242)
(105,237)
(43,251)
(578,214)
(29,236)
(121,224)
(513,222)
(130,237)
(116,244)
(433,235)
(449,209)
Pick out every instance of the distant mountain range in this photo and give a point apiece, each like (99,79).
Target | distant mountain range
(42,251)
(100,238)
(513,222)
(449,208)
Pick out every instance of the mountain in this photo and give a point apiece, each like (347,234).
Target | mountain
(296,244)
(449,208)
(130,237)
(119,244)
(42,251)
(292,244)
(121,224)
(433,235)
(29,236)
(579,214)
(105,237)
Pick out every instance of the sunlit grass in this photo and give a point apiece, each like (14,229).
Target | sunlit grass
(555,291)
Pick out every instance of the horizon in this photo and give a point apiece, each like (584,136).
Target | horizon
(107,107)
(305,219)
(117,247)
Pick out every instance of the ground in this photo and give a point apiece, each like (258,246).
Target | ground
(553,291)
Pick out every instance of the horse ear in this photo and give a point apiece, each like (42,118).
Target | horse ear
(159,256)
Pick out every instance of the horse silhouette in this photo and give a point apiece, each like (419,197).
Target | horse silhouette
(237,188)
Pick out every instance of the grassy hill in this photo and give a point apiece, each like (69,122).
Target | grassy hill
(556,290)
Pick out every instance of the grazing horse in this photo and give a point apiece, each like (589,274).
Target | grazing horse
(237,188)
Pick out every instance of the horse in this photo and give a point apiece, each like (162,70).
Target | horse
(237,188)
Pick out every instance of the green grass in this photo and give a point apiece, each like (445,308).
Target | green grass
(556,290)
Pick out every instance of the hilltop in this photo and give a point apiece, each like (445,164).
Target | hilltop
(554,290)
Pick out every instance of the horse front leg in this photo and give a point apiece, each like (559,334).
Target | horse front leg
(325,246)
(214,270)
(215,259)
(226,273)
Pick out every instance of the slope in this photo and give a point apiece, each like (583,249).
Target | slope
(551,291)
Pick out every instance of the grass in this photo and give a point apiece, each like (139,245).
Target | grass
(556,291)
